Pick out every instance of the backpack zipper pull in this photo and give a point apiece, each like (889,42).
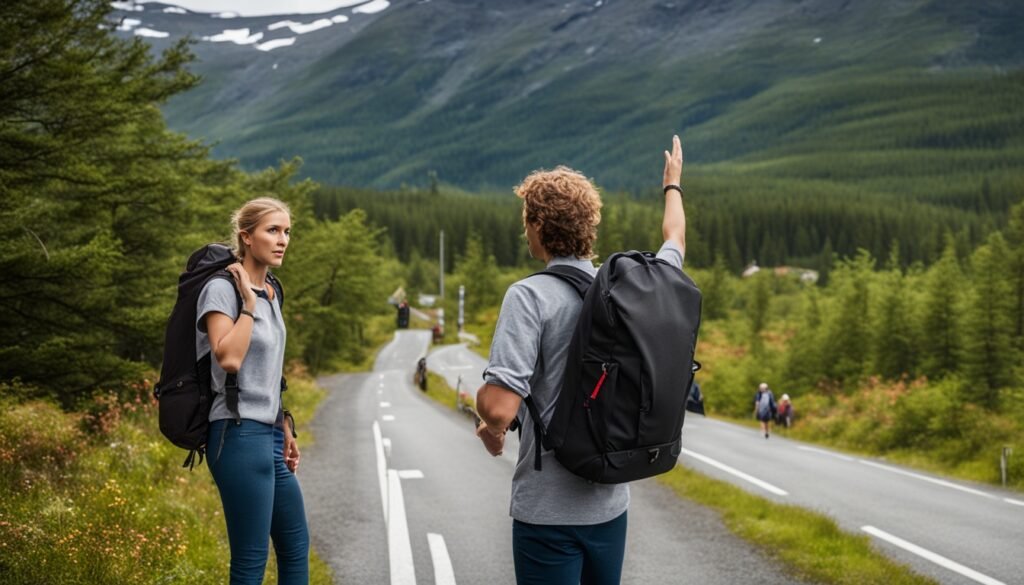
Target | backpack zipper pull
(600,381)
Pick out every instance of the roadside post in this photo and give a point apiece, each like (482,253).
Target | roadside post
(1004,461)
(462,306)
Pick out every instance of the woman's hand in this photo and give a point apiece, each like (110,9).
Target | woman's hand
(244,285)
(673,164)
(291,450)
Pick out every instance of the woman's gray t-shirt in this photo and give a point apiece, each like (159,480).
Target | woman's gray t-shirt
(259,377)
(528,355)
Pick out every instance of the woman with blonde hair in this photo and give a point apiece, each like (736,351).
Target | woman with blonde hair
(253,455)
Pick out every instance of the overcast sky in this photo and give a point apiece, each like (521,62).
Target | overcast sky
(263,7)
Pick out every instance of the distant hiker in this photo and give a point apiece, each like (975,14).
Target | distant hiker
(420,378)
(253,455)
(764,407)
(565,529)
(785,414)
(403,315)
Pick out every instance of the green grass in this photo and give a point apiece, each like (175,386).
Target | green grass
(100,497)
(809,544)
(439,391)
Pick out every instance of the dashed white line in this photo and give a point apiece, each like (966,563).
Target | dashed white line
(824,452)
(941,482)
(933,557)
(410,474)
(443,572)
(382,468)
(731,470)
(399,547)
(385,405)
(387,417)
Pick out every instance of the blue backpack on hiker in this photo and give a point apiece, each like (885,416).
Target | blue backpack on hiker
(619,414)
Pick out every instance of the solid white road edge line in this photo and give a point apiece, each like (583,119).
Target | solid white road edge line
(410,474)
(941,482)
(399,547)
(1014,502)
(443,572)
(824,452)
(933,557)
(759,483)
(382,469)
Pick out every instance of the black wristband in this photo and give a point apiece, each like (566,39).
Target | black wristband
(676,187)
(247,312)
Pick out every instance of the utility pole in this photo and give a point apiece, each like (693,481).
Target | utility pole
(442,266)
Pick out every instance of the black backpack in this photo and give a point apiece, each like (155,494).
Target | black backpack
(185,389)
(619,414)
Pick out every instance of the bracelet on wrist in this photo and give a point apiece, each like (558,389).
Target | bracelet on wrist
(247,312)
(666,189)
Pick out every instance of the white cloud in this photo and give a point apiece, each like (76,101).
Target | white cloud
(175,10)
(339,18)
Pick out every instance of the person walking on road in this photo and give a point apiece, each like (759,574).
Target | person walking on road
(253,459)
(764,408)
(565,529)
(785,414)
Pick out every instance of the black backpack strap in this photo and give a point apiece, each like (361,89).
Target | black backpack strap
(578,279)
(538,430)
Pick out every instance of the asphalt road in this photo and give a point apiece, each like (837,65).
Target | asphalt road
(954,531)
(398,490)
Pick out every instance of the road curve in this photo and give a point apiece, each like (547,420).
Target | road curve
(446,500)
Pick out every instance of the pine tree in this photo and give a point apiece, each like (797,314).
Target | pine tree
(893,340)
(988,349)
(941,324)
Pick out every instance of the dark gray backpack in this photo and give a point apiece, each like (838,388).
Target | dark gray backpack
(619,413)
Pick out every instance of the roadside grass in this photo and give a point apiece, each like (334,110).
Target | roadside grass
(810,545)
(439,391)
(100,497)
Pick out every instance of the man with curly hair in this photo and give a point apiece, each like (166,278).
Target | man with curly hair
(565,529)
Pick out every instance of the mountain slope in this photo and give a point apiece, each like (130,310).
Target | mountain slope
(483,92)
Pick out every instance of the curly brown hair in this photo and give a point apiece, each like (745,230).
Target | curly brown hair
(566,208)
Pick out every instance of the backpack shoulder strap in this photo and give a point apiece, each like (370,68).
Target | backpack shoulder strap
(578,279)
(278,289)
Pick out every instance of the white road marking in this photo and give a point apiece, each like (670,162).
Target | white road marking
(759,483)
(399,547)
(382,468)
(387,447)
(1014,502)
(385,405)
(410,474)
(941,482)
(933,557)
(387,417)
(829,453)
(443,572)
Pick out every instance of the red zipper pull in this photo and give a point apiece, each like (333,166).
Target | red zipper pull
(600,381)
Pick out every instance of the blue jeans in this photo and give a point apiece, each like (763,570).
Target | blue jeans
(261,499)
(564,555)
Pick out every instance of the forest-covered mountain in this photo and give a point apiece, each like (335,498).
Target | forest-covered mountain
(378,94)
